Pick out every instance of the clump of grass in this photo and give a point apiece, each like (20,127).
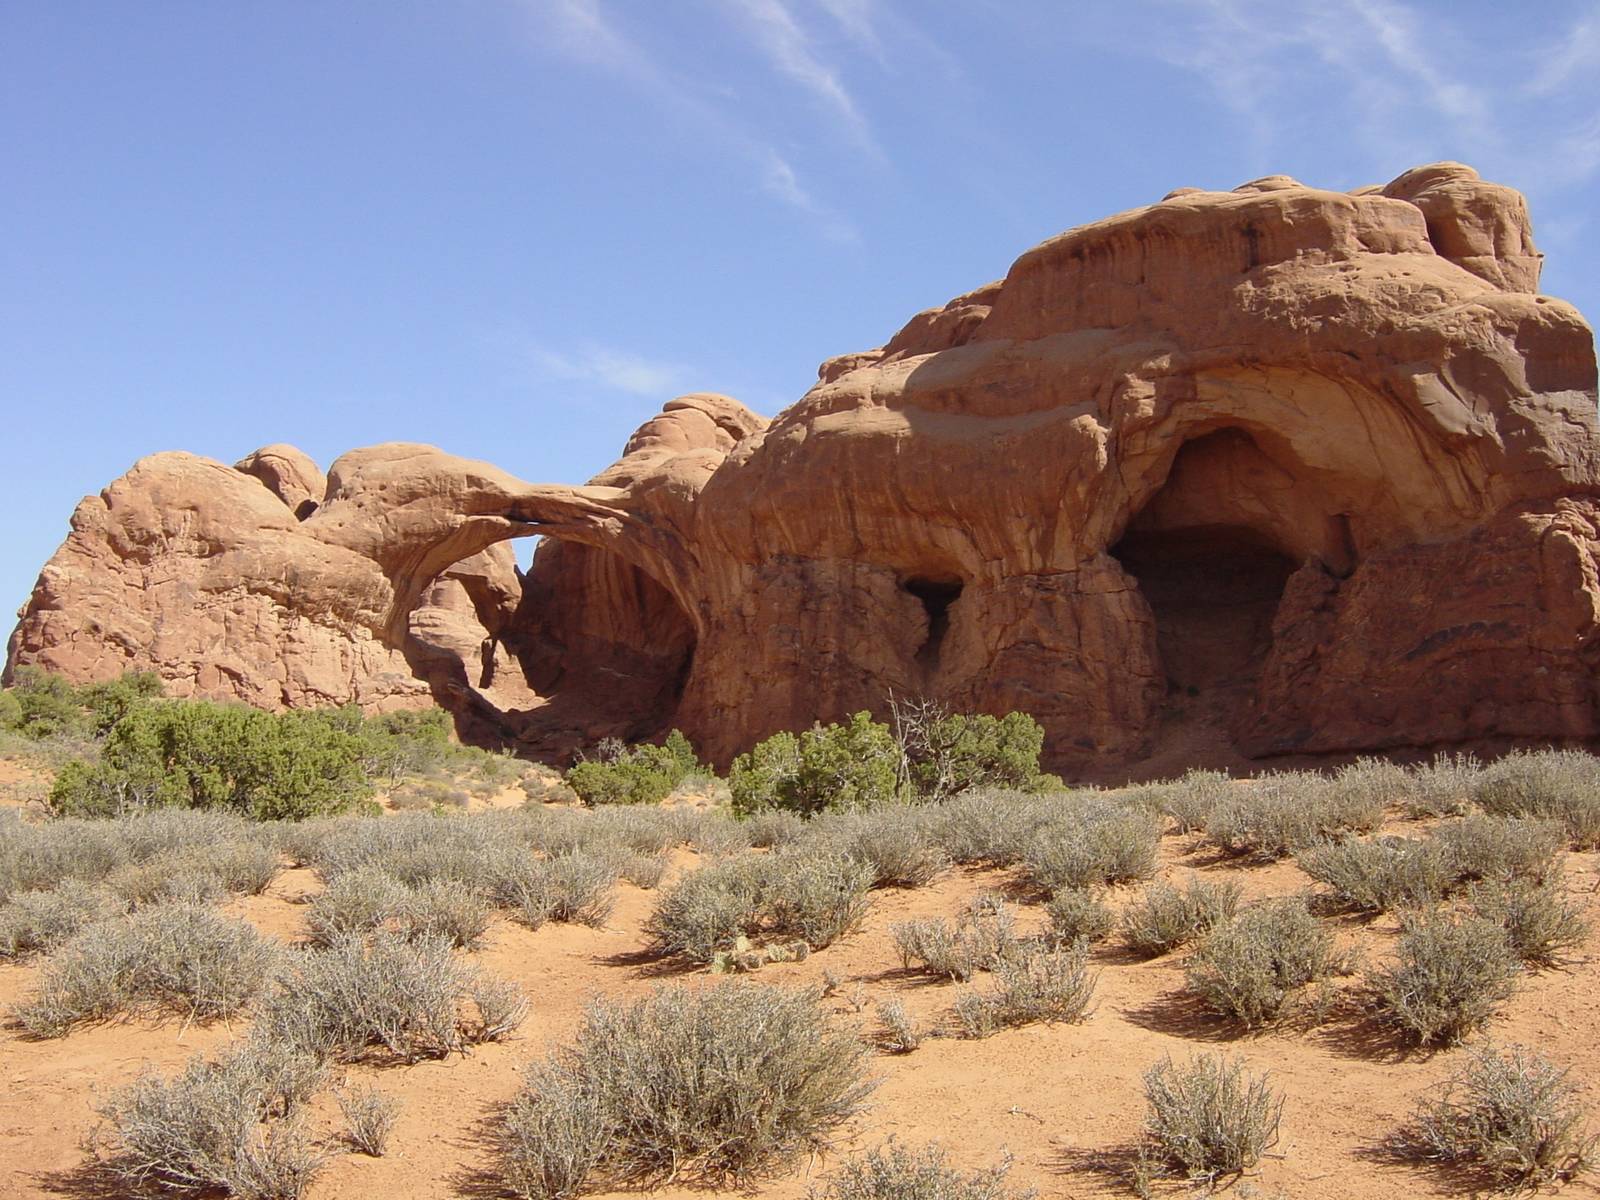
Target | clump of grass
(1538,920)
(981,936)
(382,992)
(1500,847)
(1047,985)
(901,1033)
(1207,1119)
(712,1083)
(1094,847)
(1165,918)
(1560,785)
(369,1115)
(1515,1118)
(896,1172)
(42,920)
(1249,967)
(172,958)
(1447,977)
(1382,874)
(1079,914)
(232,1125)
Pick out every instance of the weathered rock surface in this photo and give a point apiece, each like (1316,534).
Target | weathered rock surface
(1314,470)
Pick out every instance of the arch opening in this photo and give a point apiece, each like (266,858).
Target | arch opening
(936,595)
(1212,551)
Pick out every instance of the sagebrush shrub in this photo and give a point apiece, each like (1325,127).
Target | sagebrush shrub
(1538,920)
(1036,984)
(1500,847)
(705,1083)
(1079,914)
(172,958)
(897,1172)
(1448,976)
(986,825)
(895,842)
(817,897)
(232,1125)
(42,920)
(1442,787)
(1515,1117)
(901,1033)
(447,909)
(980,937)
(1281,813)
(1248,967)
(365,994)
(369,1115)
(1093,846)
(709,909)
(1164,918)
(1190,800)
(357,901)
(1207,1118)
(1559,785)
(1382,874)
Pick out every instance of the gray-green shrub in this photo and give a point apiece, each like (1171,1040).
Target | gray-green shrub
(1164,918)
(710,1083)
(1559,785)
(1208,1118)
(1447,978)
(1382,874)
(1079,914)
(1247,968)
(1515,1118)
(1029,985)
(1538,920)
(897,1172)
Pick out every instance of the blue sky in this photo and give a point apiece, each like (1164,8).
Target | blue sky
(513,228)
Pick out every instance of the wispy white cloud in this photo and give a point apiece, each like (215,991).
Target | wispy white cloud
(582,30)
(1576,56)
(609,368)
(788,47)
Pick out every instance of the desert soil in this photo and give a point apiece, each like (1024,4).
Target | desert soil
(1064,1101)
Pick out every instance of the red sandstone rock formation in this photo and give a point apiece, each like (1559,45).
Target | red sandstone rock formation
(1316,469)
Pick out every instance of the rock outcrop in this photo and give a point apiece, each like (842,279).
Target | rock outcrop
(1313,471)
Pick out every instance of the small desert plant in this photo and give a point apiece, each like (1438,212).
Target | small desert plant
(641,870)
(1447,977)
(576,888)
(709,1083)
(896,843)
(1208,1118)
(383,991)
(1500,847)
(642,774)
(369,1115)
(1539,921)
(1514,1117)
(231,1126)
(1190,800)
(1560,785)
(1281,813)
(817,898)
(901,1033)
(1165,918)
(355,902)
(1047,985)
(774,827)
(36,920)
(1382,874)
(896,1172)
(981,936)
(985,825)
(708,910)
(1078,914)
(1092,847)
(1248,967)
(1442,787)
(447,909)
(172,958)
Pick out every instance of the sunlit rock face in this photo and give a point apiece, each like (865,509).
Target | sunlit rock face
(1304,471)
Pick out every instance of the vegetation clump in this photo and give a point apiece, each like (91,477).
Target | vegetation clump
(1207,1119)
(1249,967)
(713,1083)
(1513,1118)
(1447,978)
(897,1172)
(642,774)
(1028,985)
(855,764)
(1166,918)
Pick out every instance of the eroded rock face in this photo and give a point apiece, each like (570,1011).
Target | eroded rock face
(1314,471)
